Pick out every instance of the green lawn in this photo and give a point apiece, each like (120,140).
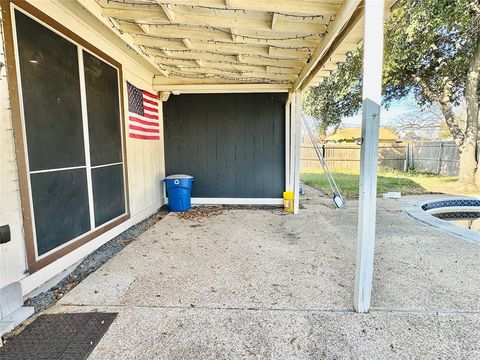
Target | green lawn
(407,183)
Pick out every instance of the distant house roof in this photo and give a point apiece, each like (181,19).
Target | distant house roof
(349,134)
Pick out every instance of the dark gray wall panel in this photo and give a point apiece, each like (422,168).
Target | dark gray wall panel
(234,144)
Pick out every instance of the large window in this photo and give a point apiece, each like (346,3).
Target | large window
(72,129)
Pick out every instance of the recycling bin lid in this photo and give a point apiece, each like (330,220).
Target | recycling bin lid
(179,176)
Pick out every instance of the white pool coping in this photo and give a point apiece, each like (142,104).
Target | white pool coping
(413,207)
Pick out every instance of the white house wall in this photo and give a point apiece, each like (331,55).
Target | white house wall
(12,254)
(145,159)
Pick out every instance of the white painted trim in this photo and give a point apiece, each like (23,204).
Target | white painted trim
(105,165)
(57,169)
(297,124)
(372,90)
(86,137)
(291,153)
(237,201)
(14,8)
(83,100)
(219,88)
(288,148)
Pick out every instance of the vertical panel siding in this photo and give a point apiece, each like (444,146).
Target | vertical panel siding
(234,144)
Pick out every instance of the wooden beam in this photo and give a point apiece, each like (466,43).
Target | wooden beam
(240,21)
(145,28)
(246,75)
(274,21)
(168,12)
(160,43)
(341,19)
(283,6)
(218,88)
(187,43)
(96,10)
(163,96)
(339,44)
(238,49)
(372,91)
(145,15)
(244,59)
(200,33)
(234,36)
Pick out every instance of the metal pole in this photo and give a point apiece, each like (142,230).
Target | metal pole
(372,84)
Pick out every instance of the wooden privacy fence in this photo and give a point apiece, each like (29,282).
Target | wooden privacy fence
(435,157)
(347,156)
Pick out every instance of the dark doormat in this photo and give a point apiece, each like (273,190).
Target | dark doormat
(58,336)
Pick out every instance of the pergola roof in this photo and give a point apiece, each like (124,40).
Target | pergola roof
(284,44)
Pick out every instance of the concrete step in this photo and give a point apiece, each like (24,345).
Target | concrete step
(12,311)
(6,326)
(10,299)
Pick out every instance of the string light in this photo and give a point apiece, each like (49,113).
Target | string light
(185,51)
(209,27)
(218,42)
(184,60)
(232,78)
(238,72)
(206,70)
(213,8)
(235,36)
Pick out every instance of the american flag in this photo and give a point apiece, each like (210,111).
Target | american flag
(143,120)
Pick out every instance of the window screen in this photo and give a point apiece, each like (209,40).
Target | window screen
(105,138)
(76,178)
(51,96)
(101,84)
(60,204)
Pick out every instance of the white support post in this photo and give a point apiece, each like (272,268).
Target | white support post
(372,84)
(297,126)
(288,148)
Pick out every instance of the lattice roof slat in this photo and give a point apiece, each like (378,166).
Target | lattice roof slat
(235,41)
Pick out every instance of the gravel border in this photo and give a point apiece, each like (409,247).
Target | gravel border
(93,261)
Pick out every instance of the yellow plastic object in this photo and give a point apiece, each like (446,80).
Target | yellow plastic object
(288,201)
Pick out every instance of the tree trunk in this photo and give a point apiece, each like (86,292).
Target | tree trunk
(468,164)
(468,160)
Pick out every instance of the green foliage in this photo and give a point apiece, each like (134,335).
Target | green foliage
(410,182)
(338,95)
(428,45)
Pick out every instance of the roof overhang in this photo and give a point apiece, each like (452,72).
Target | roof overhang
(236,45)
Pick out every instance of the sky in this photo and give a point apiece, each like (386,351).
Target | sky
(387,117)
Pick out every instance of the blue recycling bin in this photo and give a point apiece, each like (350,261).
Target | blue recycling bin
(179,191)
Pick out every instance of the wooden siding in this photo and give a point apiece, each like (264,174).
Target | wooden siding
(233,144)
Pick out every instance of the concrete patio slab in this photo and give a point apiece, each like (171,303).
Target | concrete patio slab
(262,283)
(205,333)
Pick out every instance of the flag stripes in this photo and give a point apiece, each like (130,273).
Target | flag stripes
(143,114)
